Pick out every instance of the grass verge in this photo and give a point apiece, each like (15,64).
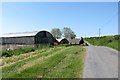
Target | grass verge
(58,62)
(109,41)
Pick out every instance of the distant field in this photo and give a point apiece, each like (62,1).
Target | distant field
(56,62)
(109,41)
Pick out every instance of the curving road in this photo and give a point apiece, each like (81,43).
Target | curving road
(101,62)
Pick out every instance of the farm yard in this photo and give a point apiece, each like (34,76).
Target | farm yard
(49,62)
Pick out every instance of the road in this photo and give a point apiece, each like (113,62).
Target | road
(101,62)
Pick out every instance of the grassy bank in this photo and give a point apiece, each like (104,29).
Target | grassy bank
(109,41)
(16,52)
(9,53)
(56,62)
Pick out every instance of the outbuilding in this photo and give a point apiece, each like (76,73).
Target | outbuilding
(14,40)
(69,41)
(63,41)
(74,41)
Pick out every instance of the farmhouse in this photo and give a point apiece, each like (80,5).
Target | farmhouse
(23,39)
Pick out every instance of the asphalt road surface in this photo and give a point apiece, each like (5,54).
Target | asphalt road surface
(101,62)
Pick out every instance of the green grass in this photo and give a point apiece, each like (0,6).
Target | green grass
(57,62)
(109,41)
(16,52)
(23,50)
(114,44)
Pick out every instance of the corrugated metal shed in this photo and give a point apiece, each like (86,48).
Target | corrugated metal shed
(36,37)
(64,41)
(71,41)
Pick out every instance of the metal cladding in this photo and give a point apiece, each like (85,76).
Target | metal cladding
(37,37)
(69,41)
(44,37)
(41,37)
(32,39)
(64,41)
(74,41)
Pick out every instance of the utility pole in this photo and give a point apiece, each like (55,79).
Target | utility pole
(99,32)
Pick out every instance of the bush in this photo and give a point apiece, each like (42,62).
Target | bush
(7,53)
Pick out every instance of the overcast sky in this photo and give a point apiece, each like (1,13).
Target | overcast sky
(84,18)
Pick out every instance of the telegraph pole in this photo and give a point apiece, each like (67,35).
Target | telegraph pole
(99,32)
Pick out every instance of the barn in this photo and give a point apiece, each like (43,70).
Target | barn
(74,41)
(15,40)
(69,41)
(63,41)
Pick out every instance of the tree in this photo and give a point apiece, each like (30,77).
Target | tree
(56,33)
(68,33)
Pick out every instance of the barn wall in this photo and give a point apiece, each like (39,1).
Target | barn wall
(18,40)
(0,40)
(14,46)
(44,37)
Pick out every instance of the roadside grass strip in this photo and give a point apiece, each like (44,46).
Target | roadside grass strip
(28,56)
(58,62)
(11,68)
(70,67)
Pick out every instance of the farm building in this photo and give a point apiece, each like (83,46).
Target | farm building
(63,41)
(74,41)
(26,39)
(69,41)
